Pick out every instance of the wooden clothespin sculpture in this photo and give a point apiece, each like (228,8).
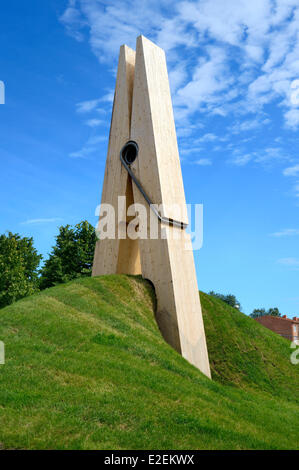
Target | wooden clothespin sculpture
(143,168)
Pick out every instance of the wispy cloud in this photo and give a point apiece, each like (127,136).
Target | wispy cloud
(291,171)
(210,79)
(203,162)
(191,151)
(209,137)
(73,20)
(291,262)
(108,97)
(270,155)
(296,189)
(87,106)
(90,147)
(260,35)
(241,159)
(83,152)
(248,125)
(41,221)
(266,157)
(287,232)
(94,122)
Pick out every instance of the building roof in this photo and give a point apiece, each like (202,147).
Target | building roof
(284,317)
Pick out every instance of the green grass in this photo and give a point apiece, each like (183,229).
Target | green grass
(86,368)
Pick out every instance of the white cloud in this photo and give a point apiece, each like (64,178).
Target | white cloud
(270,155)
(108,97)
(177,76)
(89,147)
(292,118)
(83,152)
(287,232)
(209,80)
(96,139)
(292,262)
(73,20)
(203,162)
(296,189)
(209,137)
(87,106)
(248,125)
(229,23)
(291,171)
(41,221)
(173,33)
(94,122)
(184,130)
(241,160)
(191,150)
(266,157)
(234,57)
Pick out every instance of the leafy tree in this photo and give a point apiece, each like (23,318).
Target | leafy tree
(258,312)
(229,299)
(71,257)
(274,312)
(19,263)
(261,312)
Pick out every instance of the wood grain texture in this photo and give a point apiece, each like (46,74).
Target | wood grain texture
(143,112)
(168,262)
(118,255)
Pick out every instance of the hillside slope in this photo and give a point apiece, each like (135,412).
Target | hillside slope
(87,368)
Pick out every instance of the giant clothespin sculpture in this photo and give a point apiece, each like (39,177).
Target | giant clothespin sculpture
(143,166)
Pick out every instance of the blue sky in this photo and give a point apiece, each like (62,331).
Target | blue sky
(234,71)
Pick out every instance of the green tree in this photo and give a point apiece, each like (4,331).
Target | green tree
(274,312)
(258,312)
(261,312)
(19,263)
(71,257)
(229,299)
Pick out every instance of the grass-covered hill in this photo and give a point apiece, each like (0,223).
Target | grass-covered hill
(87,368)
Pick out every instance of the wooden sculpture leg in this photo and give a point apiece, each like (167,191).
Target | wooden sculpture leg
(129,253)
(116,255)
(167,262)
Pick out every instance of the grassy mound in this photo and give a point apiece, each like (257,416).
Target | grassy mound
(86,368)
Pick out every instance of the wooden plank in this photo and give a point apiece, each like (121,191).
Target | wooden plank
(168,262)
(115,255)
